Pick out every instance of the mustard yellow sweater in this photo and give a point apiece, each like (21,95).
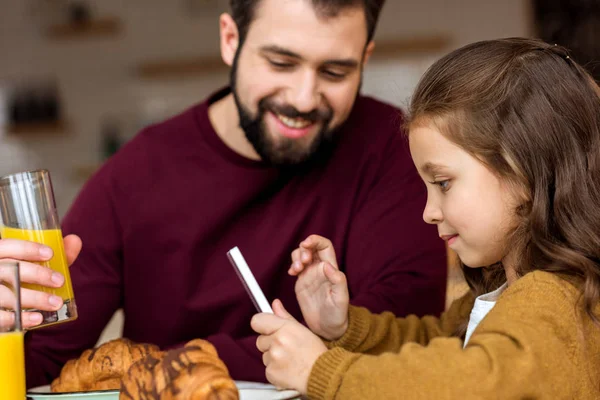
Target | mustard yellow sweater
(534,344)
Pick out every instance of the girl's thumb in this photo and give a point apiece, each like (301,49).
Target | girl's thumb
(280,311)
(334,275)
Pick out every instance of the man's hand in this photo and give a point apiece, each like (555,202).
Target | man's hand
(28,253)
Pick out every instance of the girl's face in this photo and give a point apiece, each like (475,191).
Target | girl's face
(473,209)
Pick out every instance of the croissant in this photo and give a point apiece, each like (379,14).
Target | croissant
(101,368)
(193,372)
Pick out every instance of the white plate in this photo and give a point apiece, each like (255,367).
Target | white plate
(43,393)
(248,391)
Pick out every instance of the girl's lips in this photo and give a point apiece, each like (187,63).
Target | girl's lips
(449,238)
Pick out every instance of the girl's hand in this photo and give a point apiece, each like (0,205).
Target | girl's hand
(289,349)
(321,288)
(312,250)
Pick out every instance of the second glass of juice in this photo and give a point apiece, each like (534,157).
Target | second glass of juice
(12,353)
(28,212)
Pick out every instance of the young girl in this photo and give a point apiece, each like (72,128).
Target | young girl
(506,136)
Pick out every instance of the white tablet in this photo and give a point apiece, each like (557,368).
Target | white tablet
(247,278)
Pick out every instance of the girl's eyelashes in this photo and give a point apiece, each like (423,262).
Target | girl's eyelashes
(443,184)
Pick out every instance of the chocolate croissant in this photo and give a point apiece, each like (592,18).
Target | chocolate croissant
(193,372)
(101,368)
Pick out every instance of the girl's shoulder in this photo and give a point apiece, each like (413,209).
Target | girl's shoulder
(544,287)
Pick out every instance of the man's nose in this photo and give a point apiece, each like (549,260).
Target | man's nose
(305,96)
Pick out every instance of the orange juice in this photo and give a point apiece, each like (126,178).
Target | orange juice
(12,366)
(51,238)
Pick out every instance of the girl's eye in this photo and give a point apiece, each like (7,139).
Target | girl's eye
(444,184)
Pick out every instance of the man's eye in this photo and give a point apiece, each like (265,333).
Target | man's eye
(334,74)
(280,64)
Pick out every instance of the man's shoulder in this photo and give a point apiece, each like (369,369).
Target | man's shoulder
(374,110)
(156,143)
(177,132)
(185,121)
(376,125)
(376,121)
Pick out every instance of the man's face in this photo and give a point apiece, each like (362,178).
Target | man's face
(296,76)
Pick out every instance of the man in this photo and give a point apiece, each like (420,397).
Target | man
(289,150)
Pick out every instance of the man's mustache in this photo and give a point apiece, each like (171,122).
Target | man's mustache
(316,115)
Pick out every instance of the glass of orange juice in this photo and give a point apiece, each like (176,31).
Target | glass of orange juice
(28,212)
(12,353)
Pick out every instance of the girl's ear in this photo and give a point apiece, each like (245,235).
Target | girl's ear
(521,199)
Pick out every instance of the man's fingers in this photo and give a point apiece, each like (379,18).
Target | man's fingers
(40,300)
(7,273)
(28,320)
(37,274)
(72,247)
(31,319)
(24,250)
(8,298)
(7,320)
(30,299)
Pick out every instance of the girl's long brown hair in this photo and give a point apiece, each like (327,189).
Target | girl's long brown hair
(531,114)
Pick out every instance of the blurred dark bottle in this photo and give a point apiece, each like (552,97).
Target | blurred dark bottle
(38,103)
(79,13)
(110,138)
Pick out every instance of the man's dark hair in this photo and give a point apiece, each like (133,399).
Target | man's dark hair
(243,11)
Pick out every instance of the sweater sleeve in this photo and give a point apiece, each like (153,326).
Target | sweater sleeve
(375,334)
(523,341)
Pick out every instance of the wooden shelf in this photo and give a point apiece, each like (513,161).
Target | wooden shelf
(84,172)
(99,27)
(197,66)
(180,68)
(390,49)
(27,128)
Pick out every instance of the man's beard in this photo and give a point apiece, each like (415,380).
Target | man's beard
(284,152)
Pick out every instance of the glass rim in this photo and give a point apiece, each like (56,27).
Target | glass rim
(21,176)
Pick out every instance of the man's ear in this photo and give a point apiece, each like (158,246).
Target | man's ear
(230,38)
(368,52)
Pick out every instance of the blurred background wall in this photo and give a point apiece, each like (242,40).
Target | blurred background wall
(129,63)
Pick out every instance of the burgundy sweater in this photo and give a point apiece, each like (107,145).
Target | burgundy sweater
(158,218)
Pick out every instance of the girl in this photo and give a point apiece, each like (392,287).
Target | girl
(506,136)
